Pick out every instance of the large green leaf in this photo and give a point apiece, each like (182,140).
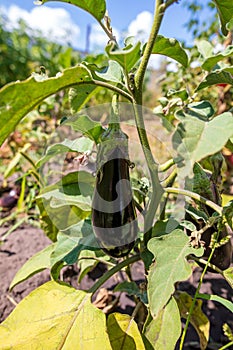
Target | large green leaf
(196,138)
(79,145)
(19,98)
(96,8)
(170,266)
(171,48)
(211,61)
(164,330)
(127,57)
(198,319)
(123,333)
(222,76)
(225,11)
(38,262)
(55,316)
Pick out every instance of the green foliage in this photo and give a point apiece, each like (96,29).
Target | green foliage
(164,272)
(188,113)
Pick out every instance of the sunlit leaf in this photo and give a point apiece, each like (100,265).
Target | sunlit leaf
(164,330)
(211,61)
(96,8)
(87,126)
(126,57)
(19,98)
(55,316)
(123,333)
(223,76)
(79,95)
(193,138)
(198,319)
(225,11)
(171,48)
(112,73)
(170,266)
(228,275)
(79,145)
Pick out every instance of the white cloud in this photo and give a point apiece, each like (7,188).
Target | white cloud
(54,23)
(141,26)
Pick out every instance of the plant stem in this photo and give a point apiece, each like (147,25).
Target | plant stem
(112,271)
(167,165)
(194,301)
(110,87)
(195,196)
(139,77)
(205,262)
(227,346)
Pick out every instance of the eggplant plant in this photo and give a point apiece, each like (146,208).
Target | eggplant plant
(119,217)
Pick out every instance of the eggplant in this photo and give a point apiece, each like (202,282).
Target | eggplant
(114,216)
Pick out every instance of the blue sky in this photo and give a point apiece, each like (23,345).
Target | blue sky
(127,16)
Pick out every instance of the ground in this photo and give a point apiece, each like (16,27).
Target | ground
(26,241)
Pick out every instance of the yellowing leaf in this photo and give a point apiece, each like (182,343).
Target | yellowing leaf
(123,333)
(163,331)
(198,319)
(55,316)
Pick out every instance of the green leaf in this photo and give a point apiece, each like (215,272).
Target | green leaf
(19,98)
(164,330)
(55,316)
(38,262)
(228,213)
(131,288)
(228,275)
(225,12)
(72,241)
(112,73)
(79,145)
(193,138)
(85,265)
(205,48)
(170,266)
(79,95)
(96,8)
(223,76)
(170,47)
(87,126)
(227,303)
(211,61)
(127,57)
(198,319)
(202,110)
(15,161)
(123,333)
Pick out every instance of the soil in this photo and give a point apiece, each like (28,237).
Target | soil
(26,241)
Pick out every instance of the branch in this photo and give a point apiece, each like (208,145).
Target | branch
(197,197)
(112,272)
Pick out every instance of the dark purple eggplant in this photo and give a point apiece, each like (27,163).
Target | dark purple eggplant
(113,212)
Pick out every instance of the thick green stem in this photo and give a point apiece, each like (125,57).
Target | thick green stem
(139,77)
(112,272)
